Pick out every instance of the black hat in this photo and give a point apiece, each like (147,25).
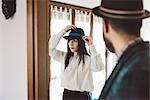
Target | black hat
(121,9)
(75,33)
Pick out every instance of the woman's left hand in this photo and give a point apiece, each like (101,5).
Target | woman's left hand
(88,40)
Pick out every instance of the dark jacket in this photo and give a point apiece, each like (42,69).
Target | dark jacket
(130,79)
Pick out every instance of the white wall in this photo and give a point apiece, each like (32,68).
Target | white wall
(82,3)
(13,54)
(146,23)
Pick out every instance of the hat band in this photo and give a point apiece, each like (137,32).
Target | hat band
(75,34)
(121,11)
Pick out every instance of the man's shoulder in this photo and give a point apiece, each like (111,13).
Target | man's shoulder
(136,59)
(140,51)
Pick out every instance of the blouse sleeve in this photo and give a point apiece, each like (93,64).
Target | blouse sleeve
(53,42)
(96,61)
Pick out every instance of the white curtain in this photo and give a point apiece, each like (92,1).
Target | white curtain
(98,77)
(60,18)
(82,20)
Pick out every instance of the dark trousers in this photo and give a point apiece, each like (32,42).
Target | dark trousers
(75,95)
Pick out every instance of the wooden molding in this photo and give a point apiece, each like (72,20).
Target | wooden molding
(41,31)
(37,49)
(73,16)
(30,51)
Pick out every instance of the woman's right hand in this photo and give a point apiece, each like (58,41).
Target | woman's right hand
(69,27)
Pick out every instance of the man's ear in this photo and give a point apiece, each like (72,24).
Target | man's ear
(105,26)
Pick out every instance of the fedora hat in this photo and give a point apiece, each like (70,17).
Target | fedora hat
(75,34)
(121,9)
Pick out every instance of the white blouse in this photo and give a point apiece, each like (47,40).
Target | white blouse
(76,77)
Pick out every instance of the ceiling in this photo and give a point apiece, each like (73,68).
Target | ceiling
(93,3)
(82,3)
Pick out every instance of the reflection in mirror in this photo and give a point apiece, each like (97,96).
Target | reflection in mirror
(61,17)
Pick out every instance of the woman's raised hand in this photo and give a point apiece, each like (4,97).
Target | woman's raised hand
(69,27)
(88,40)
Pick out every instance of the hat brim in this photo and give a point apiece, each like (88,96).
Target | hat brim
(98,12)
(72,37)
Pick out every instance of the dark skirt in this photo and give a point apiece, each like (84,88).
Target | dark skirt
(75,95)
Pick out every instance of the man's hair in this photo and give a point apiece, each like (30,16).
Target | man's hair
(130,26)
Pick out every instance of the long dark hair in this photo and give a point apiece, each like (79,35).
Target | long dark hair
(81,52)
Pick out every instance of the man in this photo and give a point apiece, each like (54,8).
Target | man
(122,21)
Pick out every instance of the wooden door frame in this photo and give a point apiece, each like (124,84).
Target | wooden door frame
(38,29)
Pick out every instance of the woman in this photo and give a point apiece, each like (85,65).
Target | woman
(76,64)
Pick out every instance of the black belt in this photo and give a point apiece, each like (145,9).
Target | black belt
(75,95)
(66,90)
